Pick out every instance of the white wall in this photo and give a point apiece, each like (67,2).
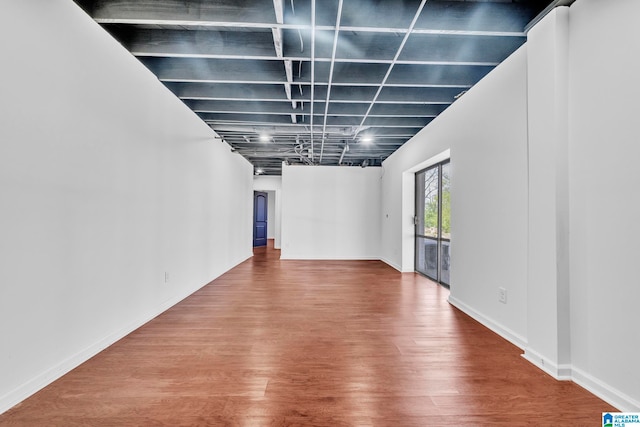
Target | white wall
(107,181)
(604,179)
(544,178)
(330,212)
(273,186)
(486,132)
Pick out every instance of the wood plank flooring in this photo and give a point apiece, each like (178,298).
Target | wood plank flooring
(318,343)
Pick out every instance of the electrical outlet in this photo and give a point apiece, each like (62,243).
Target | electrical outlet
(502,295)
(166,277)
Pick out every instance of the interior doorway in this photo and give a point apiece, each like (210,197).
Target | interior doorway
(260,215)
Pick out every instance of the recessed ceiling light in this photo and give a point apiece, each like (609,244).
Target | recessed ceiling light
(265,138)
(366,139)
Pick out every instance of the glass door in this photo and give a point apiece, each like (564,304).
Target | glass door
(432,220)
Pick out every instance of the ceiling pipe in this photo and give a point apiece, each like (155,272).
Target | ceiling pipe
(313,68)
(278,43)
(331,67)
(344,150)
(395,59)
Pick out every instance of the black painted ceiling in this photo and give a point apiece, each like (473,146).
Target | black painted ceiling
(318,81)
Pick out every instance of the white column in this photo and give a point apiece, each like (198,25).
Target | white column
(548,229)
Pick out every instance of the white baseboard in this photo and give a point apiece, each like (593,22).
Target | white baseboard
(560,372)
(504,332)
(604,391)
(566,372)
(43,379)
(50,375)
(391,264)
(329,258)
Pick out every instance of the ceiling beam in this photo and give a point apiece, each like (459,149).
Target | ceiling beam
(273,113)
(253,125)
(333,101)
(256,46)
(230,25)
(333,61)
(334,109)
(503,19)
(245,11)
(290,60)
(231,91)
(346,84)
(339,94)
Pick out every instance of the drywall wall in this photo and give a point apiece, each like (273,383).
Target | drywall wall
(559,113)
(548,344)
(108,182)
(604,63)
(273,186)
(330,212)
(486,131)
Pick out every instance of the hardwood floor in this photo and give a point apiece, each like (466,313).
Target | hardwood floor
(323,343)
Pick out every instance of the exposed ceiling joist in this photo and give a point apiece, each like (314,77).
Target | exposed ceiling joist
(312,76)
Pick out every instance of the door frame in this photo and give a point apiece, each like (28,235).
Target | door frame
(419,210)
(257,241)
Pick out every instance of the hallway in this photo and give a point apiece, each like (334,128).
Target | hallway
(325,343)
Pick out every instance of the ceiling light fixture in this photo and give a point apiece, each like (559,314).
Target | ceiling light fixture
(460,94)
(265,138)
(367,139)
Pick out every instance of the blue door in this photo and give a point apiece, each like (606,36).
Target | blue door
(260,208)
